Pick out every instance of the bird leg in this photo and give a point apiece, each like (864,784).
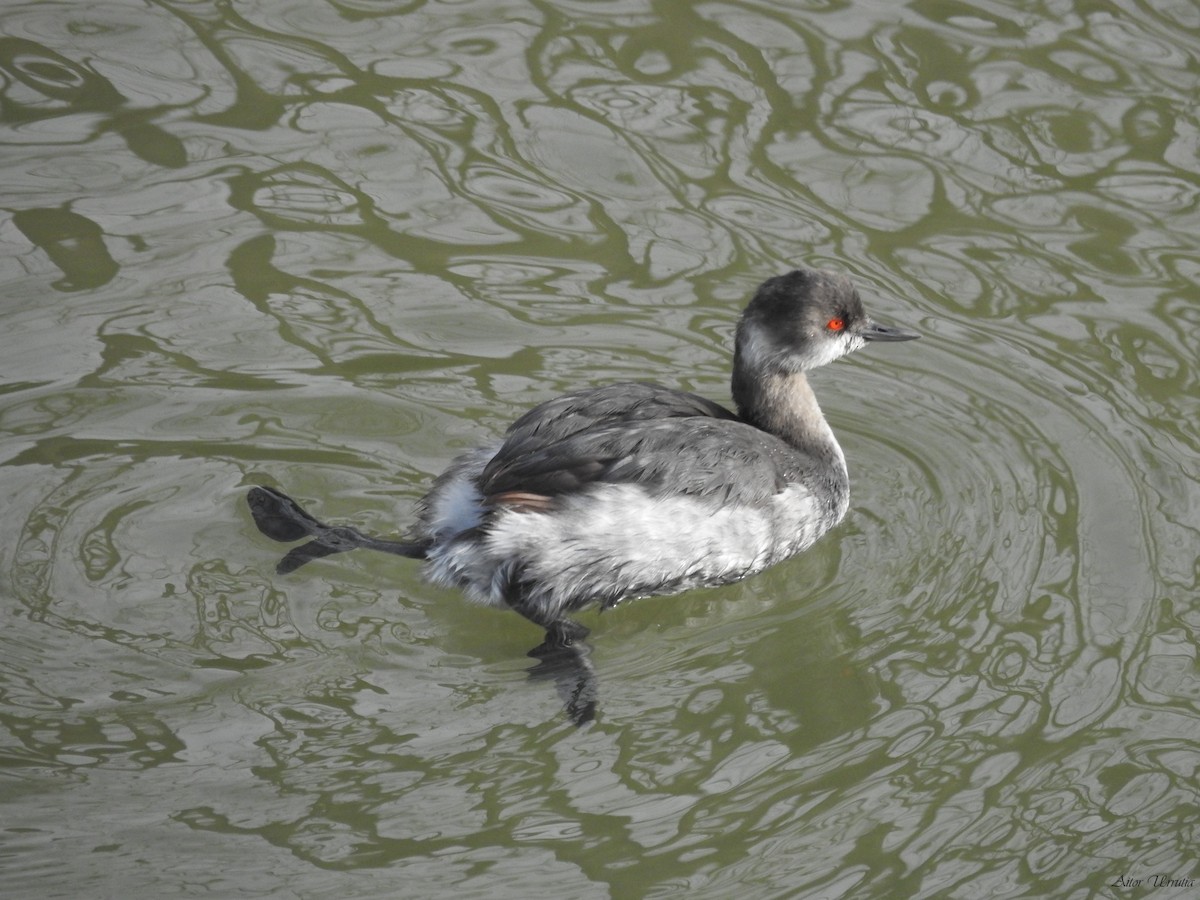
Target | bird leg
(560,631)
(282,519)
(562,657)
(568,666)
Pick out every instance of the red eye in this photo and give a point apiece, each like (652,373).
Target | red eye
(837,323)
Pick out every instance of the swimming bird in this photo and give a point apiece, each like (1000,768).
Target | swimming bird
(634,489)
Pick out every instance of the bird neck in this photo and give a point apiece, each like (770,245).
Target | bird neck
(783,403)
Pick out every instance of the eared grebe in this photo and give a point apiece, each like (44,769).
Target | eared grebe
(635,489)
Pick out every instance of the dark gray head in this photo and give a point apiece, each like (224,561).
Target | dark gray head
(802,320)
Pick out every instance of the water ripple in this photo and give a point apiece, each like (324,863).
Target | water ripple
(331,243)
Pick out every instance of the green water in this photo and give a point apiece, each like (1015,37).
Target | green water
(326,244)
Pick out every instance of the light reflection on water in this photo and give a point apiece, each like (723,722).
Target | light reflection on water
(328,244)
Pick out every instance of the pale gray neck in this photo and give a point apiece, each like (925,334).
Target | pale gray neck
(784,404)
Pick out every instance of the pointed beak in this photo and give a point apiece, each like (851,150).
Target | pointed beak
(873,331)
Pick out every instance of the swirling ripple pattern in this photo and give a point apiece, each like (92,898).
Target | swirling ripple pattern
(328,243)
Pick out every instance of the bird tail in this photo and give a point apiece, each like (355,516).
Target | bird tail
(282,519)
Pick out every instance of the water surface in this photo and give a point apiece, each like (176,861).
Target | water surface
(325,244)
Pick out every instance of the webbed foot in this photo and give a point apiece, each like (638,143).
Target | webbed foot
(282,519)
(566,663)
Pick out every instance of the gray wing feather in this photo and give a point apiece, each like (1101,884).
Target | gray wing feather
(715,458)
(577,411)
